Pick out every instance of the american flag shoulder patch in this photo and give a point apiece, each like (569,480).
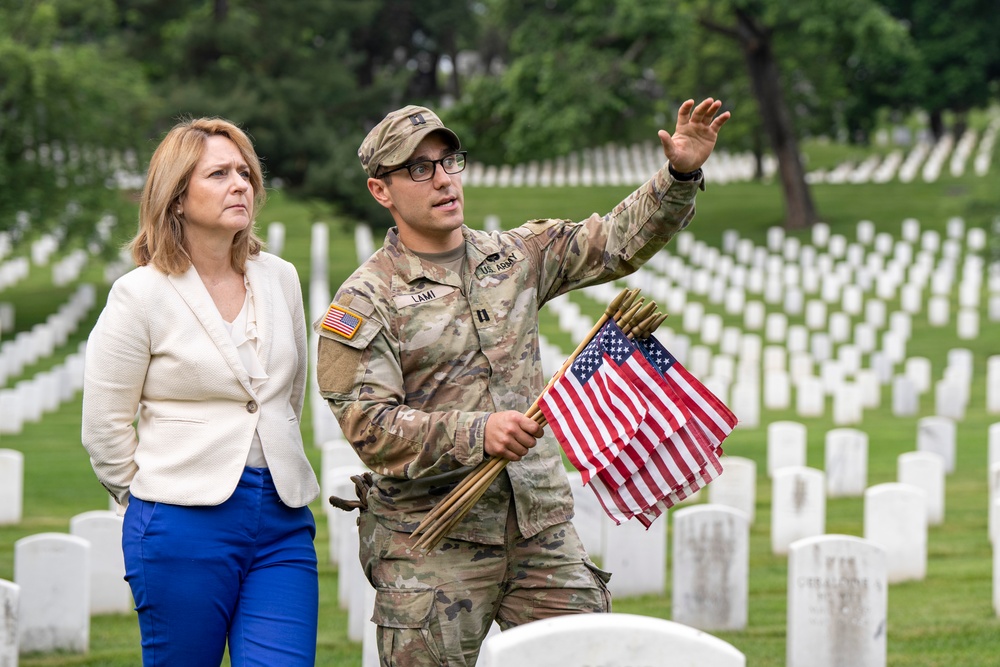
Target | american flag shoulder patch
(341,321)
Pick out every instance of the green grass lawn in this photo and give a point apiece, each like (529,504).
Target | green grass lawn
(945,620)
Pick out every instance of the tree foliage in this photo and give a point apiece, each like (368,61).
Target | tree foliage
(72,113)
(575,74)
(957,56)
(305,79)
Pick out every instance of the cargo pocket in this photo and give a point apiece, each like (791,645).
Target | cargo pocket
(406,626)
(602,578)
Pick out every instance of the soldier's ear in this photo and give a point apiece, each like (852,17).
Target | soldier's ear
(380,192)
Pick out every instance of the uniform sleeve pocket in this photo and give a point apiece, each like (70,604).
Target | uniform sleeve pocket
(395,608)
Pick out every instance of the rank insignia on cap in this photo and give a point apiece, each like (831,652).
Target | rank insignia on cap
(339,320)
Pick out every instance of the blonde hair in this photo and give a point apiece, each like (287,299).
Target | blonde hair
(160,239)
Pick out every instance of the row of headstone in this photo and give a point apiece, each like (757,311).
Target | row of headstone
(28,400)
(67,269)
(613,165)
(325,426)
(846,458)
(819,344)
(609,166)
(43,339)
(60,581)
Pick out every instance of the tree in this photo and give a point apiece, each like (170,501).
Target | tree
(759,27)
(958,62)
(72,113)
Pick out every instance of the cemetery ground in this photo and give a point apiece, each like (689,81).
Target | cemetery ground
(946,619)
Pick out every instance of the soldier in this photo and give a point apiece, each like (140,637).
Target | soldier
(429,356)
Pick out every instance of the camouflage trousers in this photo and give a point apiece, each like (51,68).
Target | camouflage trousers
(434,609)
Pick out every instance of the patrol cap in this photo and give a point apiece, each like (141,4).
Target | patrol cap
(396,136)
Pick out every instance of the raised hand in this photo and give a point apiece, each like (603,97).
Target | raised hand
(694,138)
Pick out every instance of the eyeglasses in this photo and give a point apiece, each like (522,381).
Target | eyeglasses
(423,170)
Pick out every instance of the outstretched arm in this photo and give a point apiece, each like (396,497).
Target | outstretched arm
(694,137)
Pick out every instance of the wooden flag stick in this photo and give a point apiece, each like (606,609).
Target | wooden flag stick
(445,504)
(454,506)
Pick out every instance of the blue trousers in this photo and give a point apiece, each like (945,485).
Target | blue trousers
(243,571)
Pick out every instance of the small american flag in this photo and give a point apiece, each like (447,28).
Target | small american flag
(340,321)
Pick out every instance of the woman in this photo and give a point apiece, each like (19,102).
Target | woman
(206,341)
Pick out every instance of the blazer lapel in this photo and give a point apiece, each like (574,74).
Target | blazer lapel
(190,288)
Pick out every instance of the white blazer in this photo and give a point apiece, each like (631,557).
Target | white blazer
(161,346)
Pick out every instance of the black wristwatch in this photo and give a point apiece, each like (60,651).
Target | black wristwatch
(684,176)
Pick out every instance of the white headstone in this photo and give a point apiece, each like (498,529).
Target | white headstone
(996,573)
(711,328)
(711,567)
(352,585)
(746,401)
(810,400)
(816,315)
(846,456)
(950,395)
(777,390)
(924,470)
(276,238)
(992,495)
(753,316)
(993,384)
(838,597)
(798,339)
(968,323)
(846,404)
(336,527)
(9,605)
(608,640)
(938,311)
(638,557)
(736,486)
(937,435)
(109,592)
(53,571)
(905,401)
(369,641)
(691,317)
(918,369)
(896,520)
(993,439)
(11,486)
(786,445)
(589,518)
(798,506)
(775,327)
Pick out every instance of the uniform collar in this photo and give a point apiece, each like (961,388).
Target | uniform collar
(410,267)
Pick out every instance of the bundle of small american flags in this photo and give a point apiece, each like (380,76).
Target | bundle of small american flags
(643,432)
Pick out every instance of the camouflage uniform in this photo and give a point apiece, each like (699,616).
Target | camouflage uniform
(429,358)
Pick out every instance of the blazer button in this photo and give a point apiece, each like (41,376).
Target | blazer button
(251,406)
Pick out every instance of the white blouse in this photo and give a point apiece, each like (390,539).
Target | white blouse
(243,331)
